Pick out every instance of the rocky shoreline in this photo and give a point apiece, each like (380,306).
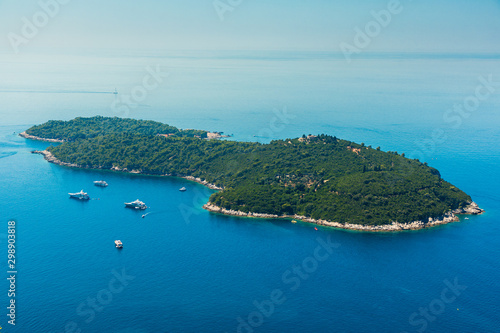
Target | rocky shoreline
(32,137)
(472,209)
(449,217)
(52,159)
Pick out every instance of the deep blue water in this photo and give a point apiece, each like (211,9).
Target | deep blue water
(193,271)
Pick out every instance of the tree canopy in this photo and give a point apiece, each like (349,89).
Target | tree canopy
(316,176)
(84,128)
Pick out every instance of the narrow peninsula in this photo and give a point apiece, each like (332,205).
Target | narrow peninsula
(317,178)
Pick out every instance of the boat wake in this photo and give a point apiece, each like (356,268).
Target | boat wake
(7,154)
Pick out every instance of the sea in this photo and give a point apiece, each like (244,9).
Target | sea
(183,269)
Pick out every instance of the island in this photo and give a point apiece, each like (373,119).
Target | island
(315,178)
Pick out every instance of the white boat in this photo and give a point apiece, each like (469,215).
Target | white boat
(80,195)
(118,244)
(101,183)
(136,204)
(183,189)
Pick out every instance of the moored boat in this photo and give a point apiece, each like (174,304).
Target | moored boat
(101,183)
(80,195)
(118,244)
(183,189)
(136,204)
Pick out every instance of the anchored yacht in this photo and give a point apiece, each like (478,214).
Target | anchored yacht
(183,189)
(118,244)
(80,195)
(136,204)
(101,183)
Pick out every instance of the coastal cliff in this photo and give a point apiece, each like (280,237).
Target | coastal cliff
(449,217)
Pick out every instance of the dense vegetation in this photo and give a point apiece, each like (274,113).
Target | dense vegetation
(84,128)
(320,177)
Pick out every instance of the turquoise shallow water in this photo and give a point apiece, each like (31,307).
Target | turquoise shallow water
(193,271)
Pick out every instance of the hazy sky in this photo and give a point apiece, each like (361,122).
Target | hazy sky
(421,25)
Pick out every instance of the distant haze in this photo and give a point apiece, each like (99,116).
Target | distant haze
(420,26)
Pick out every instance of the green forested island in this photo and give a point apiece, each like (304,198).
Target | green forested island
(86,128)
(320,177)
